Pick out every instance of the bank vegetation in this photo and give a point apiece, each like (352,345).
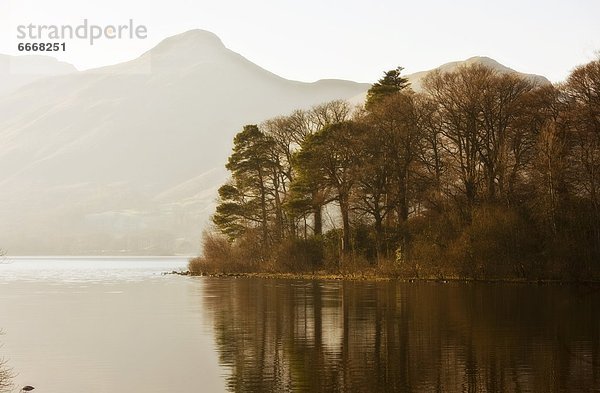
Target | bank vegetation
(484,174)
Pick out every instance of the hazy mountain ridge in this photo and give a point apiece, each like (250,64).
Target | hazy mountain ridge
(19,71)
(127,158)
(123,144)
(416,78)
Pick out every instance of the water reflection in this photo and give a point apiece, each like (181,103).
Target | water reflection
(320,336)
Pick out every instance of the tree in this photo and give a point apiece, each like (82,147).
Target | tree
(458,95)
(374,195)
(484,173)
(246,201)
(487,140)
(389,150)
(5,378)
(391,83)
(550,174)
(329,160)
(432,154)
(501,106)
(5,374)
(582,96)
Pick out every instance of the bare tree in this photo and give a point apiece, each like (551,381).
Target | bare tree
(6,375)
(458,95)
(582,91)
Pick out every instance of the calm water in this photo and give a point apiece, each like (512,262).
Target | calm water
(118,325)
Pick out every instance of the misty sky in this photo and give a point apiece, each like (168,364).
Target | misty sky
(314,39)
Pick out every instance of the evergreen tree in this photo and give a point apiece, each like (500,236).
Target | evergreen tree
(391,83)
(246,201)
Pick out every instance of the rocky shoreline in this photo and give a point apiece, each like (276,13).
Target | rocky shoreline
(374,277)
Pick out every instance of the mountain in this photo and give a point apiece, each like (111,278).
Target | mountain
(416,79)
(127,158)
(18,71)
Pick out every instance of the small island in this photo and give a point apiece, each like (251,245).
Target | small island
(481,174)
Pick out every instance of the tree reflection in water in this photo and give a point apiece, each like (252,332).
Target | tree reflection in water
(328,336)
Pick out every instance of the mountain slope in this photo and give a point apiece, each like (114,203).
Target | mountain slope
(416,79)
(127,158)
(110,159)
(18,71)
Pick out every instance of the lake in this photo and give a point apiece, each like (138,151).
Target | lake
(118,325)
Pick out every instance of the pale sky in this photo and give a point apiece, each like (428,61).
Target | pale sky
(309,40)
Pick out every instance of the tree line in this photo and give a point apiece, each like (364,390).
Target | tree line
(484,174)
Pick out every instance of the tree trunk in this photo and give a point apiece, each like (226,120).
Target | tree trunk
(378,233)
(318,221)
(344,207)
(263,207)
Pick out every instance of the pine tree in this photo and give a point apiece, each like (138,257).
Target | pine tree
(391,83)
(245,202)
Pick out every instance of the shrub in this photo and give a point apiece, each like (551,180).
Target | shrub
(218,256)
(300,254)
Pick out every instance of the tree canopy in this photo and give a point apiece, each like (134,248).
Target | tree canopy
(391,83)
(484,174)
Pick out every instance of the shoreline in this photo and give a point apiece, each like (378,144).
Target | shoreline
(373,277)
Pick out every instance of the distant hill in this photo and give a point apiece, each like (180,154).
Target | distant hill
(416,79)
(127,158)
(18,71)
